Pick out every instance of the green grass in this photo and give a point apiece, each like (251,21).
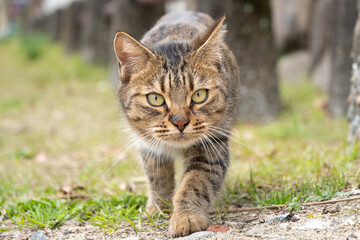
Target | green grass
(60,126)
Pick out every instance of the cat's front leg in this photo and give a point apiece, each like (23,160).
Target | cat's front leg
(204,174)
(160,173)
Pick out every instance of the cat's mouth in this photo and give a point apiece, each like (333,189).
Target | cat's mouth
(180,139)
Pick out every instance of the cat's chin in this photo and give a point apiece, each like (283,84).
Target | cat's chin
(181,143)
(173,148)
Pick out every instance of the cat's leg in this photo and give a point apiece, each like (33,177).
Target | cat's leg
(160,173)
(205,169)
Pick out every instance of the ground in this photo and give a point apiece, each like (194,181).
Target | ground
(340,221)
(61,131)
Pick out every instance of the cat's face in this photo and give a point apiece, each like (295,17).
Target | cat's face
(175,95)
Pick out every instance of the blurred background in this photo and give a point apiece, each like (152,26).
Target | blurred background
(272,40)
(59,115)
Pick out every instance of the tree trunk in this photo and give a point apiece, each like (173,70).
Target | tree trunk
(345,18)
(54,24)
(290,23)
(354,97)
(95,33)
(134,18)
(72,26)
(330,46)
(250,38)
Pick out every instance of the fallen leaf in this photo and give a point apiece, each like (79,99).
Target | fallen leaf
(271,153)
(312,215)
(69,190)
(217,228)
(66,189)
(41,158)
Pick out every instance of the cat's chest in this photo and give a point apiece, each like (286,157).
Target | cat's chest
(161,149)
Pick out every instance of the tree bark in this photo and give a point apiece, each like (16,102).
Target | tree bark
(330,47)
(134,18)
(72,27)
(54,24)
(290,23)
(354,97)
(250,38)
(345,18)
(95,33)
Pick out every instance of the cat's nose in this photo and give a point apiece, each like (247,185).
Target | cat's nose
(179,122)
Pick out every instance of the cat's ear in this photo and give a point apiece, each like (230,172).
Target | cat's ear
(207,46)
(132,56)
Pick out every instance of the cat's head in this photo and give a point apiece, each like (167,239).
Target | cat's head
(174,93)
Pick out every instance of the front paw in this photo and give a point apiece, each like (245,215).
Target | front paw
(183,223)
(152,208)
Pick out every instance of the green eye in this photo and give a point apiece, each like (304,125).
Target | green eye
(199,96)
(155,99)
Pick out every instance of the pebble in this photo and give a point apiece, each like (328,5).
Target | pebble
(198,235)
(39,236)
(233,223)
(351,236)
(284,225)
(257,231)
(314,224)
(349,222)
(131,238)
(283,218)
(354,192)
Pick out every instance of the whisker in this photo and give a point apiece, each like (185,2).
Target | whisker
(134,139)
(242,142)
(128,146)
(203,141)
(220,142)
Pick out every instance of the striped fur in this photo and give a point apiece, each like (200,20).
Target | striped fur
(182,53)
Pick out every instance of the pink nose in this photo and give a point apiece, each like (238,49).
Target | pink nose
(179,122)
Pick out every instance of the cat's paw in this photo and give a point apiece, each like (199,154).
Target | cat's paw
(155,207)
(183,223)
(151,209)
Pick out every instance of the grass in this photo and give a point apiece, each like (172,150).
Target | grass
(60,127)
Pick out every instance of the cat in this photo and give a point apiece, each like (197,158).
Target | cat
(178,89)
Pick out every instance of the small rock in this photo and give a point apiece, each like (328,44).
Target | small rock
(256,232)
(39,236)
(314,224)
(198,235)
(354,192)
(284,225)
(131,238)
(331,209)
(233,223)
(217,228)
(349,222)
(284,218)
(357,234)
(351,236)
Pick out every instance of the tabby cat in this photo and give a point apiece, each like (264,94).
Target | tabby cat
(178,89)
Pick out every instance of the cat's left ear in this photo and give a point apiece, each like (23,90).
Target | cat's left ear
(207,46)
(132,56)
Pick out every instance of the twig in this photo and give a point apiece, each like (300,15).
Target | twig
(74,196)
(248,209)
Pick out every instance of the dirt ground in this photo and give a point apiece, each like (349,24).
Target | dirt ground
(329,221)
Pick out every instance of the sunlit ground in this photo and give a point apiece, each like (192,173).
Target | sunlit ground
(60,125)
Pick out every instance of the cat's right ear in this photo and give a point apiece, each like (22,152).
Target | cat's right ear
(132,56)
